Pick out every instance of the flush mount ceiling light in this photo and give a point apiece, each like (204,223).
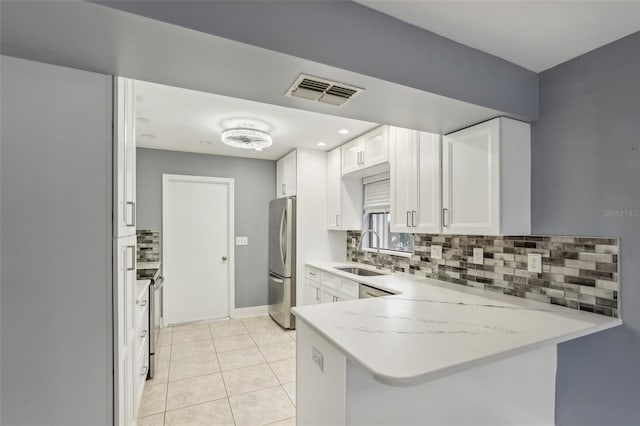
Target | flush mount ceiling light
(321,144)
(343,131)
(247,138)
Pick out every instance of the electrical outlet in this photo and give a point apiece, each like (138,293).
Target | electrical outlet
(478,256)
(242,241)
(317,358)
(436,252)
(534,262)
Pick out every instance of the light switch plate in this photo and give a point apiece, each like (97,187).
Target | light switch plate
(436,252)
(478,256)
(242,241)
(534,262)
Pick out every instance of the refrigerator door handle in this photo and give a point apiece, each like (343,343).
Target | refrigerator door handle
(283,238)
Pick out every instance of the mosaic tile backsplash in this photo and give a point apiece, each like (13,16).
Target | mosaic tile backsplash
(148,245)
(577,272)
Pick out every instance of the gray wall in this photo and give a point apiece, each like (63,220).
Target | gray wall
(56,244)
(350,36)
(586,160)
(255,186)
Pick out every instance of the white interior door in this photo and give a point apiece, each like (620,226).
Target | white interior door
(197,223)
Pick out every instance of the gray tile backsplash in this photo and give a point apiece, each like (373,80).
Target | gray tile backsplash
(148,245)
(577,272)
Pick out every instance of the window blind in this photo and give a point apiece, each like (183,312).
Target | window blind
(377,196)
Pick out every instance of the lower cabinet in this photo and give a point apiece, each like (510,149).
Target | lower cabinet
(323,287)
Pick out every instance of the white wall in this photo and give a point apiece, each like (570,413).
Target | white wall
(56,205)
(314,241)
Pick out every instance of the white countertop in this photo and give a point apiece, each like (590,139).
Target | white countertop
(432,328)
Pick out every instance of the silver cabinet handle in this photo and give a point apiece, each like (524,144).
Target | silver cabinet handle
(144,334)
(284,188)
(133,213)
(142,304)
(363,160)
(413,218)
(144,371)
(371,294)
(408,226)
(445,213)
(313,274)
(317,294)
(132,258)
(337,220)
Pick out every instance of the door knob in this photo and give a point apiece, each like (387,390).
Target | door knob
(224,258)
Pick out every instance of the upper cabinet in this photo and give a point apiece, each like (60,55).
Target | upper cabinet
(415,181)
(125,155)
(486,179)
(344,196)
(286,169)
(368,153)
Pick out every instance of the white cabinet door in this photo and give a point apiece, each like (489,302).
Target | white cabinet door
(426,215)
(313,292)
(326,296)
(334,182)
(352,153)
(344,196)
(125,294)
(376,147)
(286,169)
(280,178)
(125,153)
(471,180)
(402,178)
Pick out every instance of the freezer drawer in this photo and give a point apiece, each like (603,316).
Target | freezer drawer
(281,295)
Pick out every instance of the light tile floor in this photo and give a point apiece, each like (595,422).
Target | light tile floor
(230,372)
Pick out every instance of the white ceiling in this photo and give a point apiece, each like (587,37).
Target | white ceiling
(181,119)
(536,35)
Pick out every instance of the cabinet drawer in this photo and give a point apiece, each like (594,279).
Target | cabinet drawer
(142,306)
(331,281)
(349,287)
(313,274)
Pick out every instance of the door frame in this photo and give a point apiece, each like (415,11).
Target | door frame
(230,182)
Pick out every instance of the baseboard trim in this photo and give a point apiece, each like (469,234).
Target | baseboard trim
(250,311)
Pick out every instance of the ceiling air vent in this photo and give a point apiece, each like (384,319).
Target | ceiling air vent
(322,90)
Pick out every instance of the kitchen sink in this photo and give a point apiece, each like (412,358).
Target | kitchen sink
(360,271)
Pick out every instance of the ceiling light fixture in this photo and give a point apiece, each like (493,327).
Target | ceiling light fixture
(243,137)
(321,144)
(343,131)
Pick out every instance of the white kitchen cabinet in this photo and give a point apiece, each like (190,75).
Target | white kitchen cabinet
(125,283)
(344,196)
(321,380)
(367,153)
(323,287)
(314,288)
(125,155)
(415,181)
(487,179)
(286,169)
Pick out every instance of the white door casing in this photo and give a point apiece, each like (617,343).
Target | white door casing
(198,248)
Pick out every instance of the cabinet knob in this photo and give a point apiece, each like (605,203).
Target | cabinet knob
(224,258)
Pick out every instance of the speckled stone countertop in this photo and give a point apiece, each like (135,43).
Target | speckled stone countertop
(430,329)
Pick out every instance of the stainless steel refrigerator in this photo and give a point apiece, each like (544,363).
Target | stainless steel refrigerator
(282,260)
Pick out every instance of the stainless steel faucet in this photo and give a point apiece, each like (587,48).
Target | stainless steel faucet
(371,231)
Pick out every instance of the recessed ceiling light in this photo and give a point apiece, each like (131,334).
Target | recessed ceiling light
(258,149)
(148,136)
(142,120)
(343,131)
(206,143)
(321,144)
